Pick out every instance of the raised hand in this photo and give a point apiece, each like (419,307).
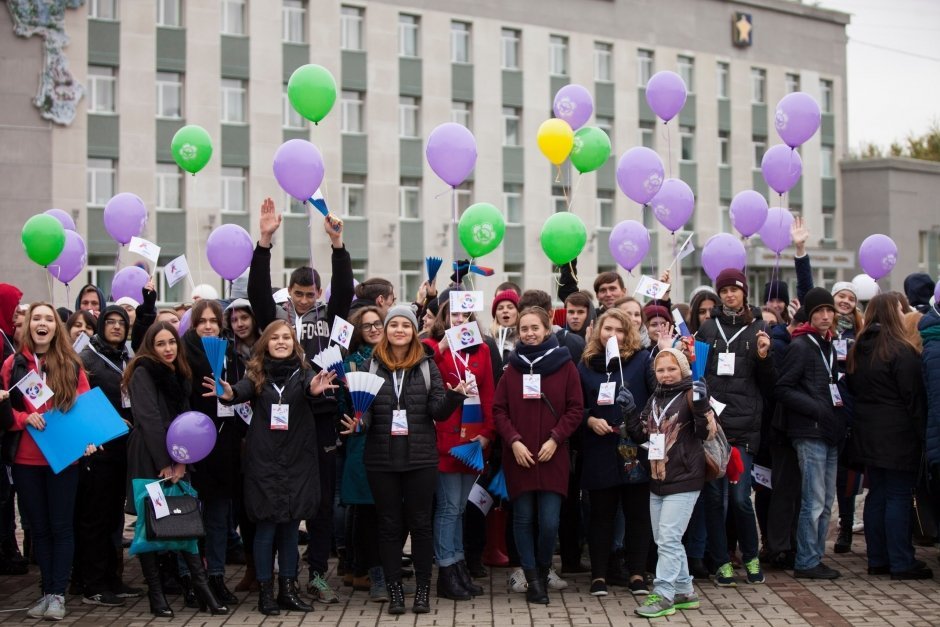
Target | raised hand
(269,222)
(800,235)
(209,383)
(333,227)
(625,400)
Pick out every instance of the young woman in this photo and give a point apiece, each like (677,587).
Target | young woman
(700,309)
(281,471)
(674,423)
(81,322)
(504,330)
(401,453)
(47,498)
(538,405)
(634,310)
(885,375)
(158,381)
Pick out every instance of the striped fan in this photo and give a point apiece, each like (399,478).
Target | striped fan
(215,348)
(331,359)
(498,485)
(470,454)
(363,386)
(701,359)
(433,264)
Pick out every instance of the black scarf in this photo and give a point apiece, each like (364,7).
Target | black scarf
(173,386)
(552,362)
(663,392)
(117,356)
(278,371)
(599,363)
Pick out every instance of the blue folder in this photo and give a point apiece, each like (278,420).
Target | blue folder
(92,420)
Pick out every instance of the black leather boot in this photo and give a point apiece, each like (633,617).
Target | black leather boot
(222,594)
(266,603)
(535,593)
(189,595)
(843,540)
(207,600)
(396,598)
(543,577)
(449,585)
(422,604)
(151,571)
(288,598)
(476,567)
(463,573)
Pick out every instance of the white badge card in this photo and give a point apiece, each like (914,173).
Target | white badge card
(657,448)
(481,498)
(762,475)
(125,400)
(223,411)
(842,349)
(279,416)
(155,493)
(605,396)
(466,302)
(836,396)
(399,422)
(725,364)
(531,386)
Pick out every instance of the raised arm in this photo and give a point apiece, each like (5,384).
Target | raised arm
(804,271)
(341,283)
(259,273)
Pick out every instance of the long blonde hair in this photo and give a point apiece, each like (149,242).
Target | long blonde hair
(62,362)
(631,343)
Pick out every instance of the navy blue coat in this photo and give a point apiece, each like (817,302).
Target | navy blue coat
(929,327)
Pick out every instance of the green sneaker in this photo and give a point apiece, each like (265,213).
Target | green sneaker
(655,606)
(686,601)
(724,576)
(754,573)
(320,590)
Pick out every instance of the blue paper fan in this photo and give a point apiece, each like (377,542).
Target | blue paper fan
(215,348)
(433,264)
(470,454)
(701,360)
(498,485)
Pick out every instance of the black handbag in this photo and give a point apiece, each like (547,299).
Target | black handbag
(183,523)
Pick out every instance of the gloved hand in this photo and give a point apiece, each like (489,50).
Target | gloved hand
(699,396)
(735,466)
(625,400)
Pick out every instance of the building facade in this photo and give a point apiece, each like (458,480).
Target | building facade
(402,68)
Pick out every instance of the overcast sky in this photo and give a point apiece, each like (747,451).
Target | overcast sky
(893,68)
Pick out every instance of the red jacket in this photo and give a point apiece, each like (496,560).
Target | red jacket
(449,431)
(532,422)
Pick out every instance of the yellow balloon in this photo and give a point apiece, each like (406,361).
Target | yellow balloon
(556,139)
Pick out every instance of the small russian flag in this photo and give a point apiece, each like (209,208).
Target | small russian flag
(320,203)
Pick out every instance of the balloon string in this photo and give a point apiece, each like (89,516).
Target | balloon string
(574,274)
(745,242)
(68,295)
(49,283)
(668,147)
(574,193)
(558,173)
(456,239)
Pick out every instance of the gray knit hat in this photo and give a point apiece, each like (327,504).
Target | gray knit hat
(403,311)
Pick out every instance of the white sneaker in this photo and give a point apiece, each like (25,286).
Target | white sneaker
(39,610)
(555,582)
(858,527)
(56,608)
(517,582)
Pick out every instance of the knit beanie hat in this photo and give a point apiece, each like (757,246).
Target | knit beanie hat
(846,286)
(655,310)
(731,277)
(776,289)
(509,295)
(401,311)
(817,298)
(684,367)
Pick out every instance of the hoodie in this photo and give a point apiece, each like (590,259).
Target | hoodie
(102,301)
(10,297)
(918,288)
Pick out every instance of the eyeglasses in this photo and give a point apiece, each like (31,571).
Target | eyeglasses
(114,322)
(378,325)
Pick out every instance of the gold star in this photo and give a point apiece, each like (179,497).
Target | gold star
(744,29)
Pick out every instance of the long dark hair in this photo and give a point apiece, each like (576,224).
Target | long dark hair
(355,343)
(147,352)
(890,335)
(696,303)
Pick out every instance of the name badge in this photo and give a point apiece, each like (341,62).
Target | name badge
(605,396)
(531,386)
(725,364)
(842,349)
(223,411)
(836,396)
(657,450)
(125,400)
(279,416)
(399,422)
(244,412)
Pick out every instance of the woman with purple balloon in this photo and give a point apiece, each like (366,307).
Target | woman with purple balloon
(158,381)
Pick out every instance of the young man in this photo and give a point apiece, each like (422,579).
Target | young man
(579,314)
(90,298)
(609,287)
(816,426)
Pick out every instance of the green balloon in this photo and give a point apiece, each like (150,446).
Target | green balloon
(591,149)
(312,91)
(481,229)
(191,148)
(563,237)
(43,239)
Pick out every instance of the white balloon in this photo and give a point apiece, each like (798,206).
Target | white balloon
(865,287)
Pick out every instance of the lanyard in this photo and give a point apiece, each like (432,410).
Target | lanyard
(39,369)
(532,363)
(503,334)
(826,363)
(733,337)
(398,386)
(464,359)
(658,416)
(280,390)
(108,361)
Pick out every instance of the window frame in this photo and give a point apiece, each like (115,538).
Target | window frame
(163,174)
(826,95)
(602,204)
(163,84)
(227,90)
(758,147)
(352,109)
(758,86)
(686,134)
(791,82)
(461,34)
(724,149)
(93,168)
(686,63)
(94,10)
(234,9)
(647,129)
(558,55)
(603,62)
(513,192)
(348,188)
(352,20)
(298,7)
(412,188)
(228,177)
(645,66)
(409,114)
(462,113)
(162,17)
(723,80)
(98,77)
(409,32)
(827,164)
(511,37)
(512,115)
(288,112)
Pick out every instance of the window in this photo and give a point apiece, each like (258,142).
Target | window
(723,78)
(829,223)
(354,196)
(511,39)
(169,95)
(791,83)
(351,28)
(558,55)
(460,42)
(460,112)
(234,101)
(512,199)
(603,62)
(559,202)
(102,9)
(352,112)
(101,89)
(409,116)
(411,277)
(606,124)
(289,116)
(101,176)
(726,225)
(168,187)
(644,67)
(724,148)
(294,206)
(234,190)
(408,35)
(168,13)
(464,197)
(759,142)
(409,199)
(687,72)
(687,143)
(647,137)
(294,15)
(758,85)
(605,209)
(826,166)
(512,126)
(825,96)
(233,17)
(515,272)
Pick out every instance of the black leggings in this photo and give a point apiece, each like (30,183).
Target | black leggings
(415,490)
(634,499)
(363,539)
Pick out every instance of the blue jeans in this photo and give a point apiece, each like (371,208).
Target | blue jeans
(453,489)
(285,534)
(818,462)
(215,514)
(48,501)
(888,518)
(536,550)
(696,535)
(722,499)
(669,516)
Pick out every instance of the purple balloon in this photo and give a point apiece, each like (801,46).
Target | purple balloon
(723,251)
(229,250)
(776,230)
(640,174)
(781,167)
(298,168)
(183,326)
(877,255)
(673,204)
(451,152)
(666,94)
(190,437)
(71,260)
(574,105)
(629,242)
(125,216)
(748,212)
(797,118)
(67,222)
(936,295)
(129,281)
